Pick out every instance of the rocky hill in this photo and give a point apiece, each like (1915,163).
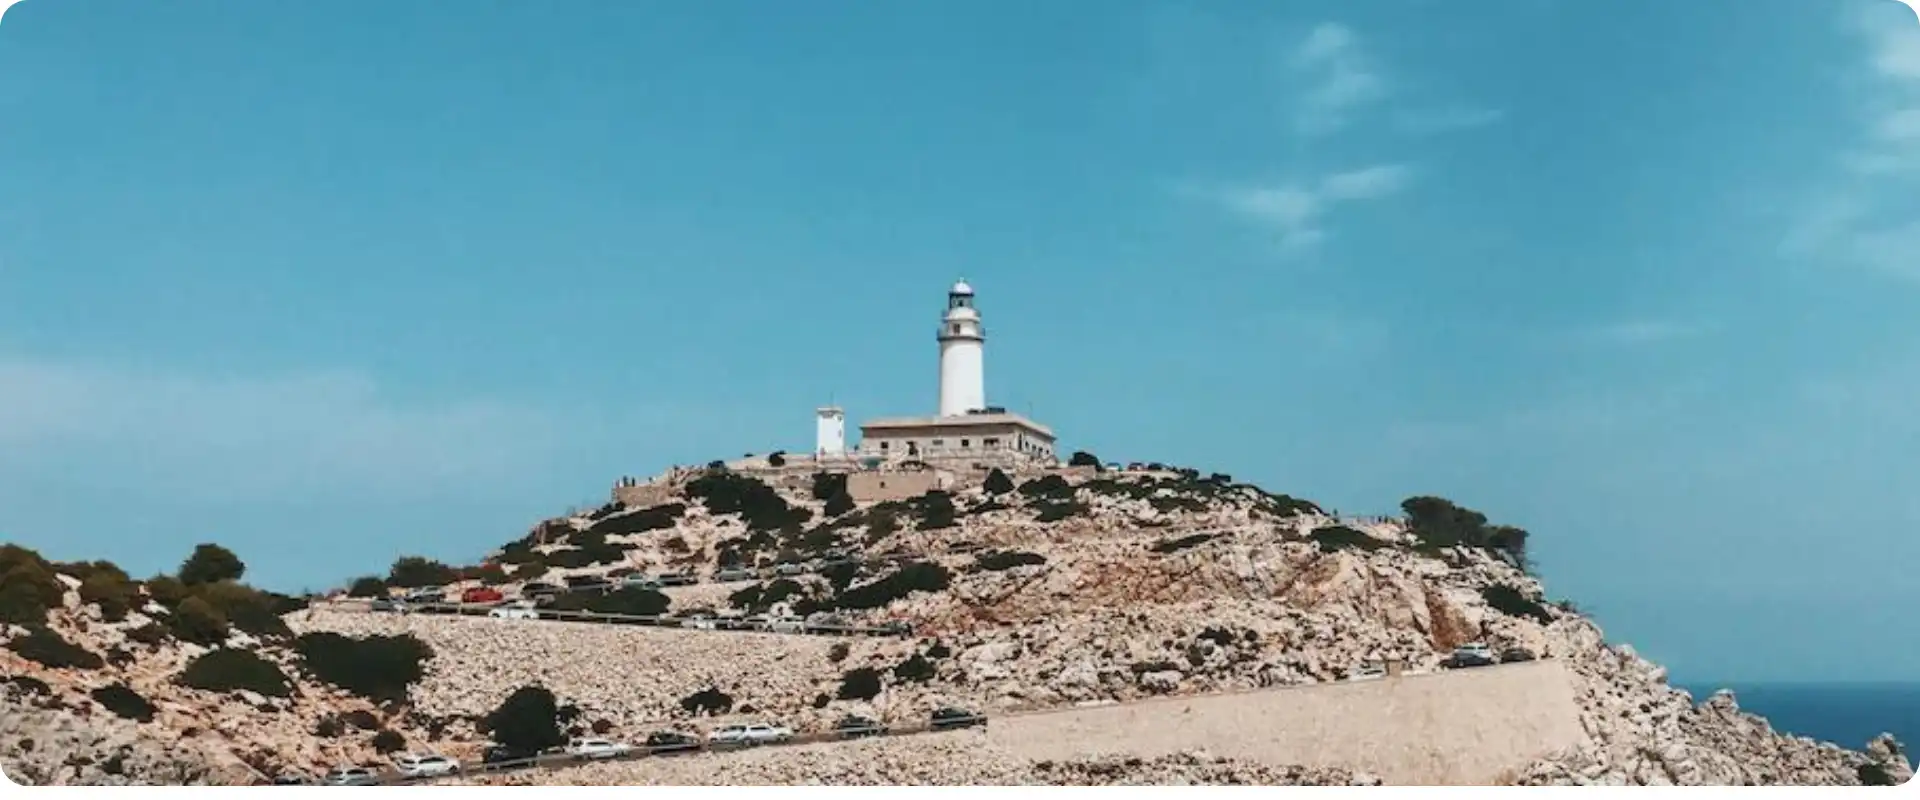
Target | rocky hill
(1051,590)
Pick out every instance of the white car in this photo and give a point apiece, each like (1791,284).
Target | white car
(425,765)
(751,734)
(520,610)
(787,625)
(597,748)
(351,776)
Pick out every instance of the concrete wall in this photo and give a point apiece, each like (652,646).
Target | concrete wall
(1465,727)
(875,487)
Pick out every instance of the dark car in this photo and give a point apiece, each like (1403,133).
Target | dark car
(588,583)
(854,726)
(950,718)
(678,579)
(503,757)
(1514,655)
(291,779)
(732,574)
(1471,655)
(387,604)
(896,627)
(670,742)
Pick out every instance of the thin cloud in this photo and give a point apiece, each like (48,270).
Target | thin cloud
(1342,78)
(1296,212)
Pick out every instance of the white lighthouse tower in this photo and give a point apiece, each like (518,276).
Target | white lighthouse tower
(962,354)
(830,431)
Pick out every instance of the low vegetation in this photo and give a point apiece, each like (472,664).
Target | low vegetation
(1001,560)
(375,667)
(211,563)
(758,504)
(919,576)
(627,600)
(1437,524)
(528,720)
(997,482)
(388,741)
(1510,601)
(1166,546)
(226,670)
(28,588)
(48,649)
(414,572)
(1334,538)
(124,702)
(656,518)
(862,683)
(707,701)
(916,669)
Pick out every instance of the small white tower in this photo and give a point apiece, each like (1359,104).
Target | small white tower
(962,354)
(830,431)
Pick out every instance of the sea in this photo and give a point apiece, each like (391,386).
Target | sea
(1846,714)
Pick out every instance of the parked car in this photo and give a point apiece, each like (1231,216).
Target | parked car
(1367,672)
(540,592)
(482,595)
(787,569)
(823,622)
(681,578)
(430,594)
(756,733)
(521,610)
(669,742)
(640,580)
(593,749)
(1471,655)
(787,625)
(733,574)
(854,726)
(1514,655)
(388,604)
(897,627)
(425,765)
(351,776)
(950,718)
(703,622)
(588,583)
(291,779)
(498,756)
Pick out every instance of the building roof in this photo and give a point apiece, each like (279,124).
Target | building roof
(995,418)
(961,288)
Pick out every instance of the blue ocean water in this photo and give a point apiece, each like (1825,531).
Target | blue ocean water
(1846,714)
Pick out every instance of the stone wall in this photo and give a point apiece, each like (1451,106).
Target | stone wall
(1465,727)
(877,487)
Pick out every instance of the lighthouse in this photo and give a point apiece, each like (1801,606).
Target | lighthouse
(962,354)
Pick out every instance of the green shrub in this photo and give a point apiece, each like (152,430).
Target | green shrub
(777,458)
(921,576)
(1052,486)
(195,620)
(1874,775)
(839,504)
(1082,458)
(249,609)
(367,586)
(936,510)
(1056,510)
(124,702)
(627,600)
(839,652)
(860,684)
(379,668)
(233,671)
(758,504)
(1004,560)
(827,485)
(329,727)
(594,555)
(916,669)
(1437,523)
(490,574)
(209,563)
(28,588)
(997,482)
(1182,543)
(388,741)
(46,648)
(1508,600)
(709,701)
(414,572)
(657,518)
(530,572)
(115,595)
(152,634)
(166,590)
(1334,538)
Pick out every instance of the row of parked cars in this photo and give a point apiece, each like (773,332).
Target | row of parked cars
(1478,654)
(419,766)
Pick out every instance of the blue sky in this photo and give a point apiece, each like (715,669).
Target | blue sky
(333,282)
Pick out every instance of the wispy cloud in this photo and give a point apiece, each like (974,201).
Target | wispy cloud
(1296,212)
(1447,120)
(1866,219)
(1341,78)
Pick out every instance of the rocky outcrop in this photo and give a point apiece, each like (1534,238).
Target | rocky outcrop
(44,744)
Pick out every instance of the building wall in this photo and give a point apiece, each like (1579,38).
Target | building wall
(1005,438)
(877,487)
(1459,727)
(962,376)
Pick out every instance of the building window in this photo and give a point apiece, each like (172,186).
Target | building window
(938,442)
(964,444)
(989,442)
(883,445)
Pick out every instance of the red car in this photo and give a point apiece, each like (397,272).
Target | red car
(482,594)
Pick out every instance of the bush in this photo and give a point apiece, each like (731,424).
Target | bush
(916,669)
(1082,458)
(329,727)
(530,572)
(166,590)
(46,648)
(1182,543)
(827,485)
(1508,600)
(839,504)
(1056,510)
(114,595)
(124,702)
(777,458)
(1048,486)
(28,588)
(997,482)
(838,652)
(367,586)
(936,510)
(860,684)
(939,650)
(920,576)
(414,572)
(195,620)
(209,563)
(1438,523)
(375,667)
(152,634)
(1334,538)
(528,720)
(247,608)
(362,719)
(758,504)
(235,670)
(1874,775)
(656,518)
(388,741)
(709,701)
(627,600)
(1005,560)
